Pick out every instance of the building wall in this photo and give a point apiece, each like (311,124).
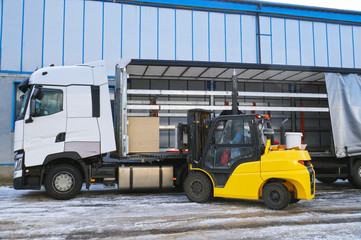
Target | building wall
(37,33)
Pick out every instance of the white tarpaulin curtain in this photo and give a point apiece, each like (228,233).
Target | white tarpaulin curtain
(344,99)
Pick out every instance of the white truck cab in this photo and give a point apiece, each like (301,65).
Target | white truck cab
(49,128)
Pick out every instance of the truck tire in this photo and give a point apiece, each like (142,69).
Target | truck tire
(63,182)
(356,175)
(327,180)
(198,187)
(276,196)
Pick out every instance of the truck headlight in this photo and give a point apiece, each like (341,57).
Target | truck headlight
(18,161)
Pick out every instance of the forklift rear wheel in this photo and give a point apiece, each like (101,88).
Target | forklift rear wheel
(63,182)
(198,187)
(276,196)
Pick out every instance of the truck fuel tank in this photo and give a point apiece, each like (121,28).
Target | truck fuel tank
(145,177)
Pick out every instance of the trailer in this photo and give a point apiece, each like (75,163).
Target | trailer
(319,102)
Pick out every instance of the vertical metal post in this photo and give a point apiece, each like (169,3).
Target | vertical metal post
(121,81)
(234,93)
(211,99)
(293,113)
(258,34)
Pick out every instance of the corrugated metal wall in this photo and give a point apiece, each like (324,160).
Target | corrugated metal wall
(37,33)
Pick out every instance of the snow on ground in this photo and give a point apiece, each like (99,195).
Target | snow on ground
(335,213)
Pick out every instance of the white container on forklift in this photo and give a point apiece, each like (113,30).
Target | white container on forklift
(293,139)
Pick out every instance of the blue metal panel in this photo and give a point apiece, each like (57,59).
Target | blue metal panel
(183,35)
(73,32)
(1,28)
(266,47)
(233,38)
(217,37)
(347,46)
(333,39)
(320,44)
(62,56)
(293,46)
(112,35)
(278,41)
(249,39)
(32,35)
(13,109)
(265,25)
(200,36)
(121,31)
(93,31)
(22,36)
(267,8)
(167,34)
(148,33)
(11,35)
(53,32)
(306,36)
(357,46)
(131,35)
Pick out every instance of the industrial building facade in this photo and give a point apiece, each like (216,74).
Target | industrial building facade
(39,33)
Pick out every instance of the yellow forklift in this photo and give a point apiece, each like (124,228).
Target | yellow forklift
(231,156)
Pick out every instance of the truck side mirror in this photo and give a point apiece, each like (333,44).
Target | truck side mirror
(37,94)
(32,111)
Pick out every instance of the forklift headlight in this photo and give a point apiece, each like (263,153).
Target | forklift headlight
(18,161)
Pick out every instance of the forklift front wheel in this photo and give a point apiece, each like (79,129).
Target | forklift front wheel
(276,196)
(198,187)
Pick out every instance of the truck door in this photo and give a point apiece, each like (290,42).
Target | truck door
(45,134)
(230,144)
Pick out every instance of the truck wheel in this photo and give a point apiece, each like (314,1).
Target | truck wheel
(276,196)
(198,187)
(63,182)
(327,180)
(356,174)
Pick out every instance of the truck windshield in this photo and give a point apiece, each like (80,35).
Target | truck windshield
(25,100)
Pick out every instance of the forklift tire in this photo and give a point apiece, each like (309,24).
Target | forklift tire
(276,196)
(198,187)
(356,175)
(63,182)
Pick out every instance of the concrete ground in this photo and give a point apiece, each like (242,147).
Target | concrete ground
(335,213)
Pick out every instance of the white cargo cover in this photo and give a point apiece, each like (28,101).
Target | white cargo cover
(344,98)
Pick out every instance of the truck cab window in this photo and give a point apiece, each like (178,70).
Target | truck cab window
(49,102)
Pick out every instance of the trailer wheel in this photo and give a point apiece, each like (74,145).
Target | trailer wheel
(327,180)
(63,182)
(276,196)
(198,187)
(356,174)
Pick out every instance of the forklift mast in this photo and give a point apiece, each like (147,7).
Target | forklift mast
(197,129)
